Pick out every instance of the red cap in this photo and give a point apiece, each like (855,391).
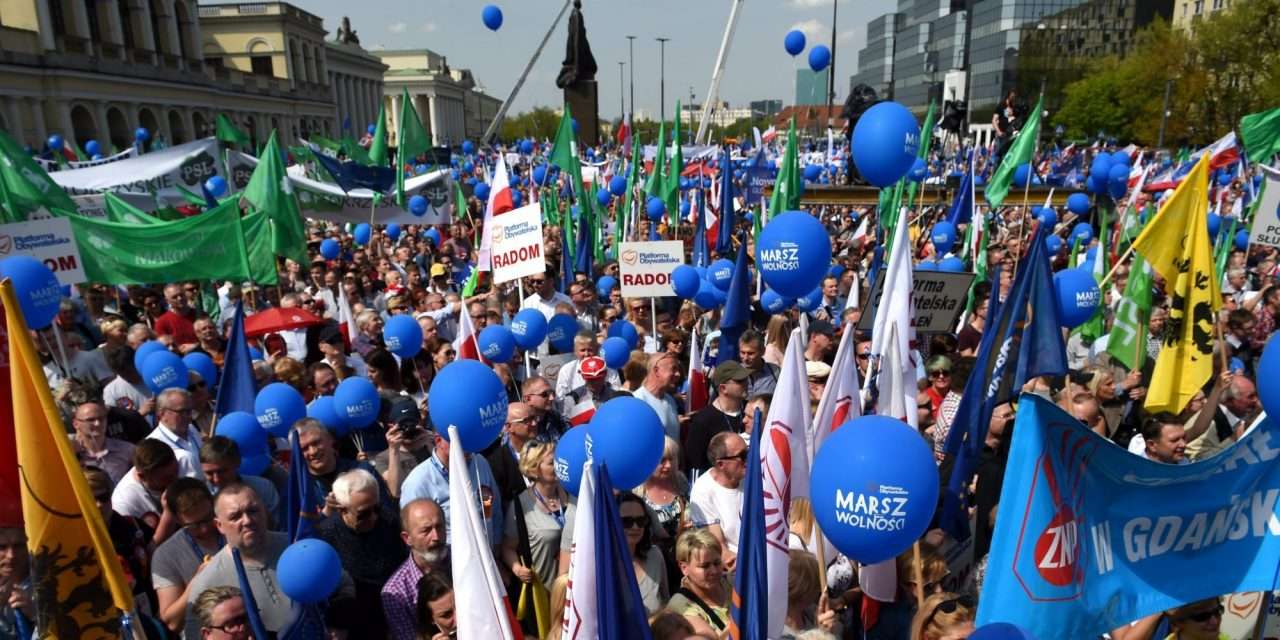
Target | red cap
(592,368)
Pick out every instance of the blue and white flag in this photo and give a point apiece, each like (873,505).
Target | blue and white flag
(1090,537)
(236,386)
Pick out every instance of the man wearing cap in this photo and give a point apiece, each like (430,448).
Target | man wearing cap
(821,341)
(335,353)
(440,280)
(723,414)
(570,375)
(579,404)
(408,443)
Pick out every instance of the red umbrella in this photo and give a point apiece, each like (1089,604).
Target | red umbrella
(275,319)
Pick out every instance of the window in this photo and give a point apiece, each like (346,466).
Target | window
(215,61)
(261,65)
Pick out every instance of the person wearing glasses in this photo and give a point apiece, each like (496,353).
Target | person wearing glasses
(944,616)
(544,297)
(222,614)
(541,400)
(535,519)
(938,403)
(1201,620)
(177,560)
(366,535)
(173,427)
(92,446)
(586,306)
(715,502)
(504,454)
(647,560)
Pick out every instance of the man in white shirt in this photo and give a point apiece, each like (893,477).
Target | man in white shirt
(656,392)
(544,297)
(138,494)
(126,391)
(715,501)
(173,427)
(570,377)
(295,340)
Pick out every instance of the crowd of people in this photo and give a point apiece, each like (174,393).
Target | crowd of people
(175,502)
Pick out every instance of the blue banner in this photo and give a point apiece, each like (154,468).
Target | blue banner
(757,179)
(1090,537)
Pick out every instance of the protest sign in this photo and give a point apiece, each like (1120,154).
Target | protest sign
(645,268)
(165,172)
(517,244)
(51,165)
(48,240)
(939,299)
(758,178)
(1240,613)
(1090,537)
(1266,221)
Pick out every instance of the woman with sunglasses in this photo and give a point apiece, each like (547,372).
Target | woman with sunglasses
(1200,620)
(893,619)
(941,402)
(944,616)
(647,560)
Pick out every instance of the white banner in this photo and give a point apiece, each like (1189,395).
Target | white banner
(163,172)
(1266,221)
(48,240)
(52,165)
(323,201)
(517,244)
(645,268)
(94,205)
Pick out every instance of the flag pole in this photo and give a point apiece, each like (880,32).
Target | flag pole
(1026,187)
(520,286)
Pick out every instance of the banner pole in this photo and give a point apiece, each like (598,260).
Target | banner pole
(527,369)
(653,320)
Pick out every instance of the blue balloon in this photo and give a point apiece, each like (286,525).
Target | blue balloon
(885,142)
(199,362)
(1224,178)
(526,147)
(1078,203)
(330,249)
(794,42)
(497,343)
(418,206)
(720,273)
(1269,376)
(1078,296)
(146,349)
(516,198)
(529,328)
(1242,239)
(1118,172)
(481,191)
(163,370)
(927,265)
(866,463)
(356,402)
(402,335)
(1054,244)
(372,129)
(1001,631)
(540,173)
(616,352)
(141,134)
(468,148)
(625,330)
(706,296)
(492,16)
(793,253)
(1120,158)
(1021,174)
(362,233)
(812,172)
(1091,254)
(618,186)
(432,234)
(216,186)
(919,171)
(322,409)
(55,142)
(819,57)
(470,396)
(951,264)
(1095,185)
(773,302)
(420,169)
(571,455)
(605,286)
(1215,225)
(655,208)
(1117,187)
(810,301)
(393,231)
(604,197)
(278,406)
(468,167)
(560,332)
(685,208)
(943,236)
(255,465)
(1048,217)
(626,435)
(685,280)
(1083,232)
(309,571)
(243,428)
(92,148)
(36,288)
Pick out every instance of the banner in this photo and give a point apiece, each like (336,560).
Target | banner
(939,298)
(1266,220)
(322,201)
(52,165)
(95,205)
(758,178)
(164,173)
(1090,537)
(645,268)
(209,246)
(50,241)
(517,244)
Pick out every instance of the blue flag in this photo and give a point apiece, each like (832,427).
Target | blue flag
(962,207)
(701,253)
(236,386)
(583,252)
(737,308)
(749,615)
(210,202)
(566,263)
(724,239)
(302,498)
(1023,341)
(353,175)
(620,610)
(250,603)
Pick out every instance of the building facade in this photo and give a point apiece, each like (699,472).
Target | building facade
(722,115)
(811,86)
(875,61)
(1186,12)
(765,108)
(355,81)
(450,104)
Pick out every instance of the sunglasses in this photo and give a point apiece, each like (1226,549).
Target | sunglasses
(1205,616)
(634,522)
(740,457)
(950,606)
(939,374)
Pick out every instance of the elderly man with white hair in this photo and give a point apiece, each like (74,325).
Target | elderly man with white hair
(174,428)
(366,535)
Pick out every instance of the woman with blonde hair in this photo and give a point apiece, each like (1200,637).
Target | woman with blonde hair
(894,618)
(703,596)
(538,515)
(666,491)
(776,334)
(944,616)
(806,603)
(115,332)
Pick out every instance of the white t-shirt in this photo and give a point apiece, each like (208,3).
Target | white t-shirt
(546,306)
(85,365)
(132,499)
(570,378)
(711,503)
(125,395)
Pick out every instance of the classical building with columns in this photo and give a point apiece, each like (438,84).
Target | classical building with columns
(451,105)
(99,69)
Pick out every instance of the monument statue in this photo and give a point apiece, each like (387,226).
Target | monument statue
(347,35)
(578,78)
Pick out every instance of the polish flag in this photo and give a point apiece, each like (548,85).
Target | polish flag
(581,613)
(465,343)
(841,398)
(346,319)
(580,413)
(769,134)
(499,203)
(698,394)
(480,600)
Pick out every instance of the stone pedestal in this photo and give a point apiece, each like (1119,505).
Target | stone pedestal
(584,102)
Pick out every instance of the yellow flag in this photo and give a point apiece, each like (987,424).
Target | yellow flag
(1176,244)
(77,583)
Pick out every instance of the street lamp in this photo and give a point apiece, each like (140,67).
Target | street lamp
(662,78)
(622,107)
(631,60)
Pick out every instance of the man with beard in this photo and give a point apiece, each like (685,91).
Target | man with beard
(423,526)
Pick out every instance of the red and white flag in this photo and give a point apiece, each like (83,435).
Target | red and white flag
(769,134)
(466,344)
(480,600)
(346,319)
(897,309)
(698,394)
(581,615)
(784,461)
(581,411)
(499,203)
(841,399)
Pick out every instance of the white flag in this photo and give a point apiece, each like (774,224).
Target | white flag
(840,399)
(497,186)
(897,309)
(480,600)
(581,619)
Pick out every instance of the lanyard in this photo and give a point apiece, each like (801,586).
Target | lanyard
(558,514)
(195,548)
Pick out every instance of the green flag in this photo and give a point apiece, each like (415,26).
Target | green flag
(378,148)
(413,142)
(1128,338)
(208,246)
(671,181)
(564,154)
(27,187)
(1260,133)
(633,174)
(653,188)
(122,212)
(926,140)
(1223,251)
(469,289)
(1020,153)
(227,132)
(786,189)
(270,190)
(258,242)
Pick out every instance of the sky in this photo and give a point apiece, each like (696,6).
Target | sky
(757,67)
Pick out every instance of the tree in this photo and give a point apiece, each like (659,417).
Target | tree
(540,124)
